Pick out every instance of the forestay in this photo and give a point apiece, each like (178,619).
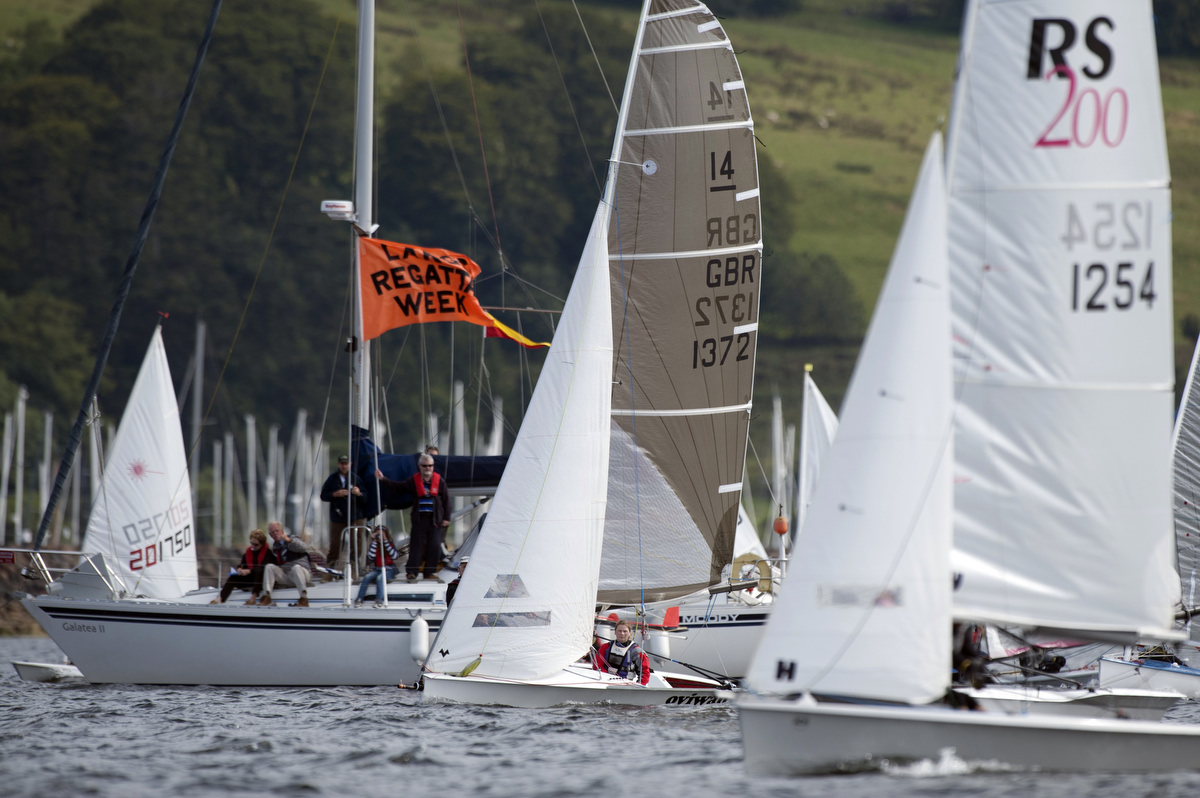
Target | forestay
(685,254)
(1060,248)
(865,608)
(142,519)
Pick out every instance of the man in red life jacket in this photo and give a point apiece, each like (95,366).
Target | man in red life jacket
(430,516)
(623,656)
(250,570)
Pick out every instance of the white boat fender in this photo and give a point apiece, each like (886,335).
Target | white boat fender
(658,642)
(418,641)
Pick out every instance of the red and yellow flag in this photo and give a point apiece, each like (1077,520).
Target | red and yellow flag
(402,284)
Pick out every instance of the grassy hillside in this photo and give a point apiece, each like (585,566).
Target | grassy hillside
(844,105)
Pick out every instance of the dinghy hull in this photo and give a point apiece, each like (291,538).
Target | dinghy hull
(1079,702)
(1149,675)
(786,737)
(576,685)
(47,672)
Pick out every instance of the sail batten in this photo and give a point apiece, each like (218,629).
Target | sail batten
(674,131)
(683,48)
(669,255)
(691,411)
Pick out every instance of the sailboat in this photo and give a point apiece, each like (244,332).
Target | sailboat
(1134,667)
(154,552)
(818,426)
(632,449)
(1054,341)
(113,635)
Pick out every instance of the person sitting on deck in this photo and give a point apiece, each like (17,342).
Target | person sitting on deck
(292,554)
(623,656)
(383,554)
(250,570)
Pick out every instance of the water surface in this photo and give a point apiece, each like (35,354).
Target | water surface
(111,740)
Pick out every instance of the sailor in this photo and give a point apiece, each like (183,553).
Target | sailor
(623,656)
(452,588)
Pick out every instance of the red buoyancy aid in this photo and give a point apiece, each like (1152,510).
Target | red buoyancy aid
(435,485)
(383,556)
(254,560)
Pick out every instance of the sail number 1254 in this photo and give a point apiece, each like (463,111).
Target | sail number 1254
(1100,286)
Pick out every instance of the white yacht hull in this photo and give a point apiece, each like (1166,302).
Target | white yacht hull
(1081,703)
(578,684)
(796,737)
(47,672)
(136,641)
(1149,675)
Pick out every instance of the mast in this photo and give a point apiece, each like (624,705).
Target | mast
(364,129)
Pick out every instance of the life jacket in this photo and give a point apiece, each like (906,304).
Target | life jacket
(254,560)
(381,555)
(425,498)
(624,658)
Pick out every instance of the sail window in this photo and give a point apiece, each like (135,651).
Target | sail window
(858,596)
(507,586)
(511,619)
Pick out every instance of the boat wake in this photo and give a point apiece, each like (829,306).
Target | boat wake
(948,763)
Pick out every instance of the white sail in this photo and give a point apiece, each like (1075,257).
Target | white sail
(1060,248)
(865,609)
(526,604)
(142,518)
(1185,448)
(746,540)
(818,425)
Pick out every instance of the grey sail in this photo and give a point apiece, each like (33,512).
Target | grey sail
(685,252)
(1186,455)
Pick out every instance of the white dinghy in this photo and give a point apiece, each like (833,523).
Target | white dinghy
(1058,334)
(48,671)
(627,470)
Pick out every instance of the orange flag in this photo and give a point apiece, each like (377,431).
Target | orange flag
(402,284)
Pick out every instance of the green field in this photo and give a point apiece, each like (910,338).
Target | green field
(844,105)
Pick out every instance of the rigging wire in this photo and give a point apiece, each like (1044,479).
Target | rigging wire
(599,68)
(482,151)
(567,93)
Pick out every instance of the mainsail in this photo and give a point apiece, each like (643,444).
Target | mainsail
(865,608)
(1185,448)
(1060,250)
(142,520)
(685,255)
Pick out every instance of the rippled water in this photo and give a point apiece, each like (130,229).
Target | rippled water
(58,740)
